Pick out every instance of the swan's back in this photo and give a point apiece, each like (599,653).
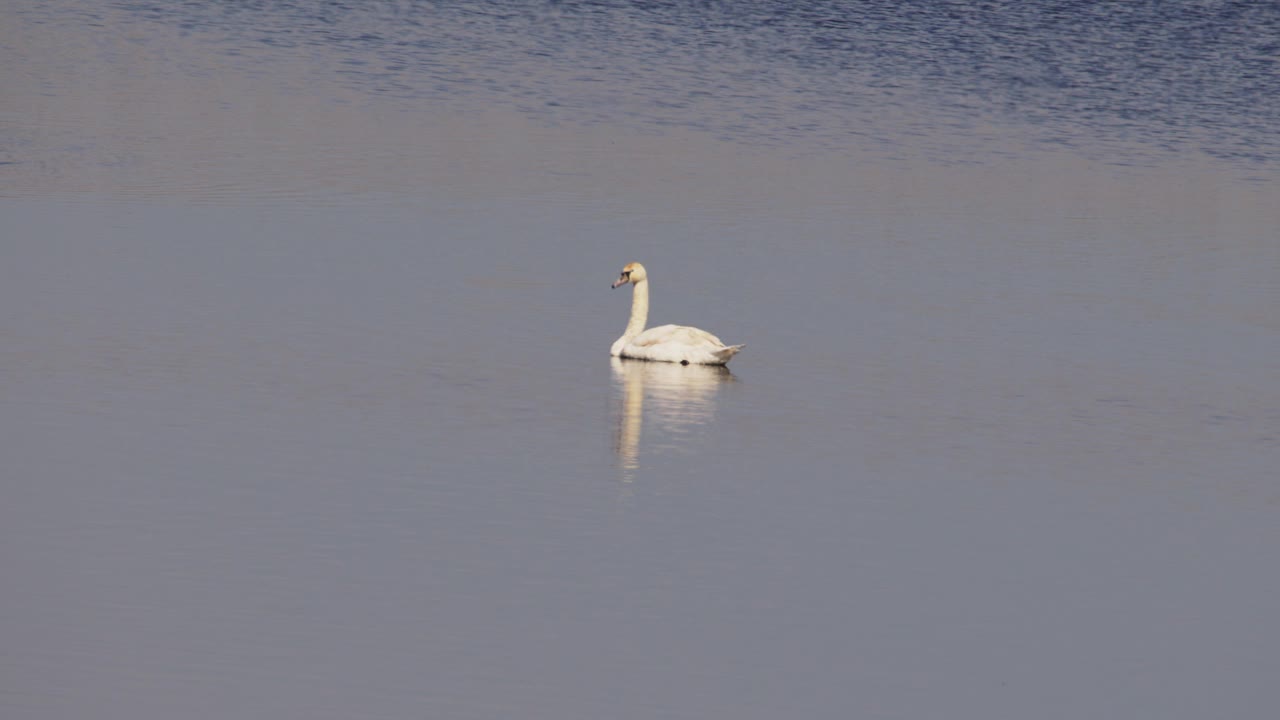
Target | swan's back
(681,344)
(678,334)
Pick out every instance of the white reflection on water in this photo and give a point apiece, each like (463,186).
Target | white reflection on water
(681,399)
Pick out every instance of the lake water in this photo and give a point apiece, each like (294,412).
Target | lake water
(306,408)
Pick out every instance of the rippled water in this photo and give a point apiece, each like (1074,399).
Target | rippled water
(1186,76)
(306,408)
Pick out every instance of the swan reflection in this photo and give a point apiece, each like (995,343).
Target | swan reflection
(679,399)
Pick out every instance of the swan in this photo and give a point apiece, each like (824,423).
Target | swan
(666,343)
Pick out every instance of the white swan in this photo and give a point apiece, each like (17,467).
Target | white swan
(666,343)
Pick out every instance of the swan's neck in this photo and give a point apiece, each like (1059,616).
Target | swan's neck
(639,315)
(639,309)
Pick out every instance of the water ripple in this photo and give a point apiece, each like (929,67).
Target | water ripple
(1140,80)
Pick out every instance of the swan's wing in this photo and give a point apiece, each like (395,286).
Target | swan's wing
(676,334)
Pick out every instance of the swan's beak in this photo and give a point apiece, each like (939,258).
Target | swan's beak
(620,281)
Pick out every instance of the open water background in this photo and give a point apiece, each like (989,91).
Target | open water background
(306,409)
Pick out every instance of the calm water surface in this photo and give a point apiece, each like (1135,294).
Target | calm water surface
(306,409)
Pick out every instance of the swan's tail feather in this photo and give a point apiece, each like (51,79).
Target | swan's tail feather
(723,354)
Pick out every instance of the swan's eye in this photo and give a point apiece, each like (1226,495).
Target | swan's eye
(626,273)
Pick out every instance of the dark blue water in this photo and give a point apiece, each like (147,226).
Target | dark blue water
(1132,82)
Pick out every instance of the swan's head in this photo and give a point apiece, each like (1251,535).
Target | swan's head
(632,273)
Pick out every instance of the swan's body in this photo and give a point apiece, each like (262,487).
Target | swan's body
(665,343)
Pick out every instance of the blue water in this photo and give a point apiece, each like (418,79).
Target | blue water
(1144,80)
(306,409)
